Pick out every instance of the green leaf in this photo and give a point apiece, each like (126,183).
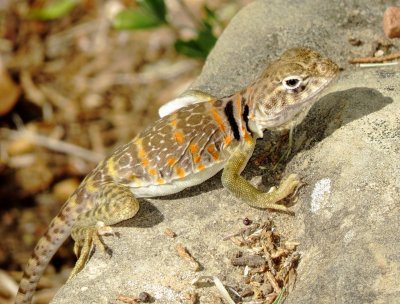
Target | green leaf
(156,7)
(55,10)
(281,296)
(151,13)
(134,19)
(210,15)
(206,39)
(189,48)
(198,47)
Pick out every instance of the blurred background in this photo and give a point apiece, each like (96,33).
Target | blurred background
(77,78)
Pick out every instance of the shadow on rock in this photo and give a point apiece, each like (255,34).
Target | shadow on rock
(211,184)
(338,109)
(147,216)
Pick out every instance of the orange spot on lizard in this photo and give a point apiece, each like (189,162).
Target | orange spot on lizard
(201,167)
(218,119)
(227,140)
(194,148)
(214,153)
(238,102)
(141,152)
(180,137)
(152,171)
(173,120)
(160,181)
(180,172)
(171,161)
(247,136)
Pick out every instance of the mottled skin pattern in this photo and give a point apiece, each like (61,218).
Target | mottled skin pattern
(183,149)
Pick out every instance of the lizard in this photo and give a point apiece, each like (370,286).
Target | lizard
(183,149)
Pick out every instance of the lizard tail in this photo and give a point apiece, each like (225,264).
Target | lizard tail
(48,244)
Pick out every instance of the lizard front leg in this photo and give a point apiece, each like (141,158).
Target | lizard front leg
(242,189)
(114,204)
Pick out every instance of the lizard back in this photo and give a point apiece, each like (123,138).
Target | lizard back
(181,149)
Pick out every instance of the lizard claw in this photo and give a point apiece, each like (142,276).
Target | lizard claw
(93,239)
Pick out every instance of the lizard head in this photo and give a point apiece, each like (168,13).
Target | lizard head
(281,97)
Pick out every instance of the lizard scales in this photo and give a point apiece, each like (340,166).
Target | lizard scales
(184,149)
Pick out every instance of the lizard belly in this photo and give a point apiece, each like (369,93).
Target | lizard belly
(177,185)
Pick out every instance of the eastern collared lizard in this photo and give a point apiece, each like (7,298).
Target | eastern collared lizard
(183,149)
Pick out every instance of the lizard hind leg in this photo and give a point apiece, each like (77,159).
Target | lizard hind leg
(114,204)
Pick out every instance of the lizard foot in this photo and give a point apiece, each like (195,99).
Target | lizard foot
(287,187)
(97,237)
(93,239)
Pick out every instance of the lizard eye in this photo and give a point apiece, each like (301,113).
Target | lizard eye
(291,82)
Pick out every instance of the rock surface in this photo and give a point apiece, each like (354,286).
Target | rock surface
(347,151)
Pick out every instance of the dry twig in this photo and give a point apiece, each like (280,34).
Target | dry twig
(55,144)
(127,299)
(393,56)
(184,253)
(272,281)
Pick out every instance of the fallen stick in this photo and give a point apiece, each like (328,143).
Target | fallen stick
(375,59)
(55,144)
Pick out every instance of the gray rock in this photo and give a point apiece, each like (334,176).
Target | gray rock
(346,150)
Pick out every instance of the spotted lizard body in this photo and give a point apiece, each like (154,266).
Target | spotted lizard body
(183,149)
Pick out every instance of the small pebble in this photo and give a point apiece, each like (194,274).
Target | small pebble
(247,221)
(379,53)
(192,297)
(19,146)
(391,22)
(144,297)
(169,232)
(355,41)
(63,189)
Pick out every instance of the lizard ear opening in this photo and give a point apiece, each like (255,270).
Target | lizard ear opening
(292,82)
